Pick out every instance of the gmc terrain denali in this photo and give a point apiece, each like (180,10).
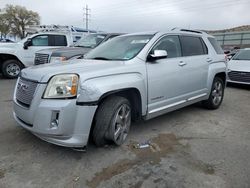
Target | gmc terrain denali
(130,77)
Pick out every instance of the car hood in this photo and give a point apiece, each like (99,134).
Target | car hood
(65,52)
(70,51)
(83,67)
(239,65)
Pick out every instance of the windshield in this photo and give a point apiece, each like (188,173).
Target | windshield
(27,37)
(120,48)
(90,41)
(242,55)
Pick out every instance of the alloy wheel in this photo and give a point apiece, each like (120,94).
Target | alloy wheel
(13,69)
(121,124)
(217,93)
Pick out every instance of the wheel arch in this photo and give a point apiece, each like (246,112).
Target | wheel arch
(221,75)
(4,57)
(132,94)
(216,69)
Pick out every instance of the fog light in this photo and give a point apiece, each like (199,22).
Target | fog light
(54,120)
(54,123)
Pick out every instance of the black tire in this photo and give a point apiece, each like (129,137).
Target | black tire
(213,103)
(11,68)
(104,120)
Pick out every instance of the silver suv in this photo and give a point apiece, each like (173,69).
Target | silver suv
(130,77)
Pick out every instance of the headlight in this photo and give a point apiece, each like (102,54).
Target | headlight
(62,86)
(57,59)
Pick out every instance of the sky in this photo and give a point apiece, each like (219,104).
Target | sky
(141,15)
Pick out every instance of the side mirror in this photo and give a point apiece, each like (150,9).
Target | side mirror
(27,43)
(230,57)
(158,54)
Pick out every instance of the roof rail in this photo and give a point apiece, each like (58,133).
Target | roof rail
(54,28)
(46,28)
(188,30)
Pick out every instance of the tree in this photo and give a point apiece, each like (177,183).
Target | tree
(19,18)
(4,26)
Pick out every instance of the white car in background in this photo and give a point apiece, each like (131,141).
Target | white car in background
(239,67)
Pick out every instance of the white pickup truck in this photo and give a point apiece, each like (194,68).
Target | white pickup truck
(15,56)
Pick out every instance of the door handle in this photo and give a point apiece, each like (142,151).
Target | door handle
(181,63)
(209,60)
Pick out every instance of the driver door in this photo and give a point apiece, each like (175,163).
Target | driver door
(41,42)
(166,76)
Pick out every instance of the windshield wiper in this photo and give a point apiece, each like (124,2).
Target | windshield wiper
(100,58)
(83,46)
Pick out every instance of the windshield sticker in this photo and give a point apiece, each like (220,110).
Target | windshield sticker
(100,36)
(140,41)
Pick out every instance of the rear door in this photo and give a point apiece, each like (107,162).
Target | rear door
(196,62)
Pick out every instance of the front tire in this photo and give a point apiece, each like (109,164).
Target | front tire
(11,68)
(216,95)
(112,121)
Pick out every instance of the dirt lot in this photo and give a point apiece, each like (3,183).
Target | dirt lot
(191,147)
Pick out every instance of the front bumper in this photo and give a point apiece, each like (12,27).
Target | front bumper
(238,77)
(236,82)
(73,121)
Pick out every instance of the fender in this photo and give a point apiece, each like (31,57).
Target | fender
(8,54)
(215,68)
(92,90)
(10,50)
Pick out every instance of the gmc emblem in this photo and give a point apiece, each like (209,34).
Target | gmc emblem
(22,87)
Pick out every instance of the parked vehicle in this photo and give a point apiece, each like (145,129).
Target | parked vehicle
(84,45)
(230,52)
(16,56)
(239,67)
(130,77)
(76,32)
(5,40)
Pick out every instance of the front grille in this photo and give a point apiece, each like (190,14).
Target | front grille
(41,58)
(239,76)
(25,91)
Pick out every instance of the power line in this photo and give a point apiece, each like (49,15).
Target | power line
(86,15)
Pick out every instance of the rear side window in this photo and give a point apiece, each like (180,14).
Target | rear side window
(58,40)
(192,46)
(215,45)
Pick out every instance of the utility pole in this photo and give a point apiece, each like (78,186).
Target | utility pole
(86,16)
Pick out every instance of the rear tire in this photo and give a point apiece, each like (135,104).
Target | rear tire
(216,95)
(112,121)
(11,68)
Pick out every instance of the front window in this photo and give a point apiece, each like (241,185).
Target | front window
(90,41)
(41,40)
(171,44)
(120,48)
(242,55)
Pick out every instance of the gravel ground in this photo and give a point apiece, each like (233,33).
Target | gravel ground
(191,147)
